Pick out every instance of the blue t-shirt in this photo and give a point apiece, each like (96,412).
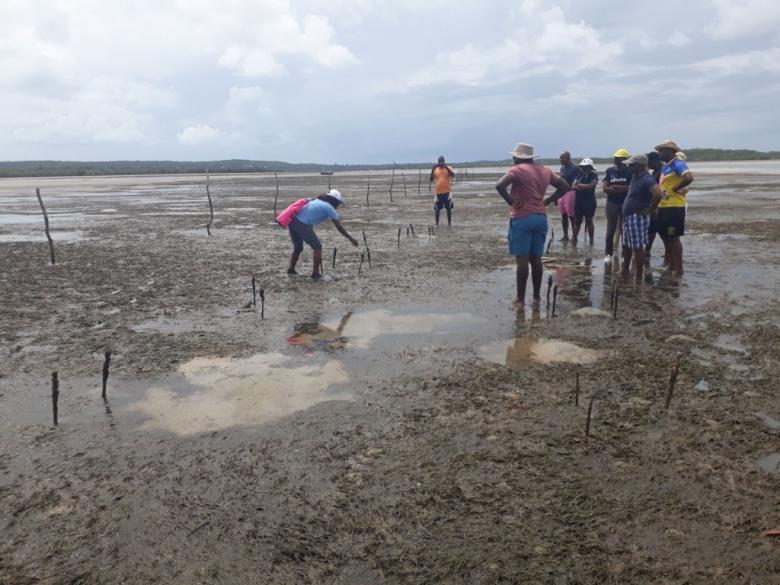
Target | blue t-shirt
(569,173)
(586,177)
(315,212)
(618,176)
(639,194)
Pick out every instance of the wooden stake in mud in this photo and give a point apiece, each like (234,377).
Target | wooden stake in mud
(254,291)
(548,246)
(55,396)
(46,226)
(368,192)
(411,227)
(577,389)
(329,177)
(276,197)
(399,238)
(590,413)
(407,231)
(335,251)
(403,178)
(615,307)
(368,250)
(549,287)
(673,380)
(555,298)
(262,303)
(419,181)
(211,206)
(362,258)
(392,182)
(106,365)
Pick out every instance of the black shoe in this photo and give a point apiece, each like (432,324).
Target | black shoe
(316,277)
(291,271)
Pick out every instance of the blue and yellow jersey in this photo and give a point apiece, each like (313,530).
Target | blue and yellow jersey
(671,177)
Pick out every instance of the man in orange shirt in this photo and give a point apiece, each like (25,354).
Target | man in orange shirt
(442,173)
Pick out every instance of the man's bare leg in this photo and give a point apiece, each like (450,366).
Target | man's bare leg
(575,230)
(639,264)
(676,255)
(522,278)
(294,261)
(627,254)
(565,223)
(589,227)
(537,272)
(317,264)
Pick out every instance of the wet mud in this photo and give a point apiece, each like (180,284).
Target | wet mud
(402,423)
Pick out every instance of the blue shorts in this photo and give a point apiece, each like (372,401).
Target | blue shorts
(527,235)
(302,232)
(635,229)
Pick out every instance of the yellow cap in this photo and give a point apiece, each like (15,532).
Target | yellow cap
(621,153)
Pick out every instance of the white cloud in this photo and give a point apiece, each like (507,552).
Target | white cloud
(679,39)
(539,40)
(767,60)
(198,134)
(741,18)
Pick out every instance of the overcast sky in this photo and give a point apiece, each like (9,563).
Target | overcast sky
(369,81)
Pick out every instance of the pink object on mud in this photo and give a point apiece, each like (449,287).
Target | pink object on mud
(566,204)
(285,218)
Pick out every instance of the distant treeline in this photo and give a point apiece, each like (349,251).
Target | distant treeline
(50,168)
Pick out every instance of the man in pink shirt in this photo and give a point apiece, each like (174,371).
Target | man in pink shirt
(528,217)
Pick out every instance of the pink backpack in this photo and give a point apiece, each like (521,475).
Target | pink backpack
(285,218)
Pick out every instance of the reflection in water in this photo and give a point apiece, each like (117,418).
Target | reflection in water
(231,392)
(522,351)
(362,330)
(315,335)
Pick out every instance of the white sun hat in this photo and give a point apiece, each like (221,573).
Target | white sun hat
(336,195)
(523,151)
(586,162)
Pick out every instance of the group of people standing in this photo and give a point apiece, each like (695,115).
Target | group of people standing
(639,205)
(645,196)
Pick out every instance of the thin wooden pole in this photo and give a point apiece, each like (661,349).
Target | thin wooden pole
(211,206)
(276,196)
(419,181)
(262,303)
(106,365)
(590,413)
(549,288)
(335,251)
(254,291)
(362,258)
(615,308)
(673,380)
(403,178)
(392,182)
(399,238)
(46,226)
(555,298)
(577,389)
(368,250)
(368,192)
(55,396)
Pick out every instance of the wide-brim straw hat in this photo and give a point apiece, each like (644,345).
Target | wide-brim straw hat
(523,151)
(670,144)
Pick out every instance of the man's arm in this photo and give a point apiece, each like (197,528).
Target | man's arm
(502,186)
(561,188)
(432,171)
(687,179)
(657,195)
(450,171)
(344,232)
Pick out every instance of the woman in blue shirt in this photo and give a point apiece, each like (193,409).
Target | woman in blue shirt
(302,229)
